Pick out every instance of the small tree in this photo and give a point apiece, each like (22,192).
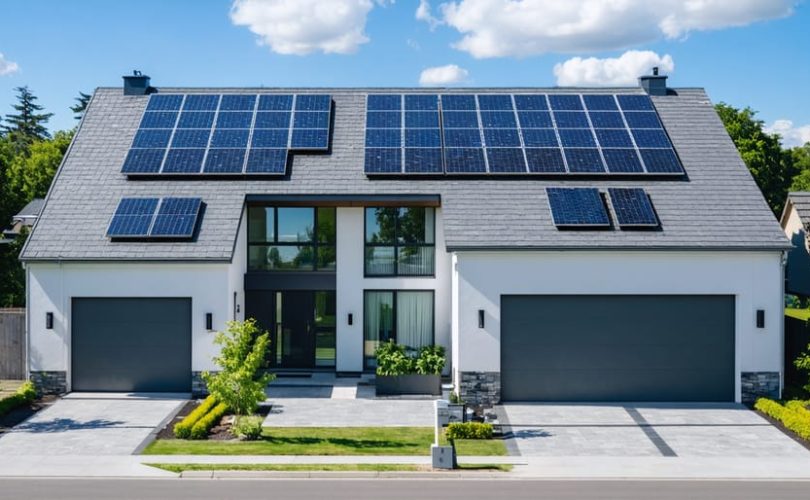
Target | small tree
(239,383)
(803,364)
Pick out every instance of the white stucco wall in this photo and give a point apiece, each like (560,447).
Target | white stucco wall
(755,279)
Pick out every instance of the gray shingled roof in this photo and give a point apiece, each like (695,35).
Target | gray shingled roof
(719,207)
(801,201)
(32,209)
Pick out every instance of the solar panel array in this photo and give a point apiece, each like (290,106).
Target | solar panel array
(155,218)
(584,208)
(497,134)
(231,134)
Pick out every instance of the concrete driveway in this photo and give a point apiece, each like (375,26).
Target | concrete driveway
(644,430)
(91,424)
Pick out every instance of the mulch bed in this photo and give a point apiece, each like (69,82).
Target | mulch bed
(20,414)
(220,432)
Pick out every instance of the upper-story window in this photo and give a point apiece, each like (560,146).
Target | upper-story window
(400,241)
(291,238)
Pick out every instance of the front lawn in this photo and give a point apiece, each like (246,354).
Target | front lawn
(178,468)
(326,441)
(800,314)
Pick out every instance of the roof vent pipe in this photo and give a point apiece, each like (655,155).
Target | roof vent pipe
(136,83)
(654,84)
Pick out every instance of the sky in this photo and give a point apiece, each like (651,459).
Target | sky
(743,52)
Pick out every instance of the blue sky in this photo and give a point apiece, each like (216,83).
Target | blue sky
(747,53)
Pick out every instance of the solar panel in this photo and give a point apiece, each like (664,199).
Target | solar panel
(465,160)
(545,160)
(531,102)
(577,207)
(383,160)
(224,161)
(571,119)
(164,102)
(661,161)
(267,161)
(275,102)
(633,208)
(506,161)
(132,218)
(622,161)
(635,102)
(423,160)
(596,102)
(562,102)
(143,161)
(454,102)
(200,102)
(188,161)
(584,160)
(176,218)
(136,218)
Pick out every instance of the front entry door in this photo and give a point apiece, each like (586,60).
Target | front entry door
(294,331)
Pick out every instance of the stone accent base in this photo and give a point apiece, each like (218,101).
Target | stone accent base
(480,388)
(50,382)
(198,387)
(759,385)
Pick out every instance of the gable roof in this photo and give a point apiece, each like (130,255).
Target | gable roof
(31,210)
(800,200)
(718,207)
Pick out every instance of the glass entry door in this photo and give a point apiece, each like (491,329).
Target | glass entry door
(303,334)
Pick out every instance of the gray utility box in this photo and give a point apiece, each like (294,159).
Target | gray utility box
(443,457)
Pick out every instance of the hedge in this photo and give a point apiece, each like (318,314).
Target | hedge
(468,430)
(203,425)
(24,395)
(794,415)
(182,429)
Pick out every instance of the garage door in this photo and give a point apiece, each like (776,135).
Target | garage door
(617,348)
(131,345)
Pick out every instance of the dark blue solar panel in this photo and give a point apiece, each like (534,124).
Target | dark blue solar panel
(168,102)
(317,102)
(613,138)
(561,102)
(464,160)
(452,102)
(635,103)
(661,161)
(600,102)
(495,102)
(422,119)
(545,160)
(384,102)
(498,119)
(506,160)
(421,138)
(462,138)
(151,138)
(606,119)
(281,102)
(383,138)
(234,119)
(143,161)
(196,119)
(137,206)
(306,138)
(422,102)
(132,218)
(571,119)
(460,119)
(237,102)
(501,137)
(236,138)
(576,138)
(191,138)
(581,207)
(651,138)
(642,119)
(540,138)
(159,119)
(535,119)
(582,160)
(423,160)
(383,161)
(632,207)
(270,138)
(224,161)
(201,102)
(176,217)
(311,120)
(384,119)
(532,102)
(622,161)
(272,119)
(267,161)
(184,161)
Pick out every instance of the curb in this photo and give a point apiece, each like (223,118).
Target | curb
(341,475)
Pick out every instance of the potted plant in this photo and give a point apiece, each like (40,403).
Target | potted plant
(400,373)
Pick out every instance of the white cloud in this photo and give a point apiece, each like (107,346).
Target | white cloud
(618,71)
(423,13)
(300,27)
(519,28)
(7,67)
(443,75)
(792,136)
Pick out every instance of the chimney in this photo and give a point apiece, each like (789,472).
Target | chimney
(136,83)
(654,84)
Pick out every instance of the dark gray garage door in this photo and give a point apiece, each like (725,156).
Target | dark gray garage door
(617,348)
(131,345)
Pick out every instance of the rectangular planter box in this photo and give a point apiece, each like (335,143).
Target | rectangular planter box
(408,384)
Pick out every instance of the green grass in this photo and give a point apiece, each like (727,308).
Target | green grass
(178,468)
(801,314)
(479,447)
(326,441)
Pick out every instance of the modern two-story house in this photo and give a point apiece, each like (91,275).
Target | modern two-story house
(563,244)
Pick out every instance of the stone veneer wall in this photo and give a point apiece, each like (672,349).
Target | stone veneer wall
(480,388)
(53,382)
(759,384)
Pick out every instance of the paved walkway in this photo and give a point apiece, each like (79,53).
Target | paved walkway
(322,412)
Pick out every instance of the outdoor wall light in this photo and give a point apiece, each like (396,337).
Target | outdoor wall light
(760,318)
(209,321)
(49,320)
(351,319)
(480,318)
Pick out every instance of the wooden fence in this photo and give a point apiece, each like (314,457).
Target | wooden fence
(12,343)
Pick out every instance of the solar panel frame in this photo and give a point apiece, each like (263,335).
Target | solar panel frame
(176,218)
(577,207)
(633,208)
(132,218)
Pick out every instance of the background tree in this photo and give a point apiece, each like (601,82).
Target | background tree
(81,105)
(29,176)
(27,124)
(801,163)
(12,275)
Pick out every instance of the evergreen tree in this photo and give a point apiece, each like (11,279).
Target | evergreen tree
(28,124)
(81,105)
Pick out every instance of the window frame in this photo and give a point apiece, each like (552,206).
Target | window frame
(394,292)
(396,245)
(315,243)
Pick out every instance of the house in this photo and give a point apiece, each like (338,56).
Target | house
(795,220)
(25,218)
(563,244)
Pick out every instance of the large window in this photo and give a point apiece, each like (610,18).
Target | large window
(291,239)
(400,241)
(406,317)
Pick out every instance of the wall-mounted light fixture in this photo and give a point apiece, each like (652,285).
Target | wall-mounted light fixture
(209,321)
(480,318)
(49,320)
(760,318)
(351,319)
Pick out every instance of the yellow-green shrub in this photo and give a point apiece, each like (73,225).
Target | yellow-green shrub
(770,407)
(468,430)
(182,429)
(794,415)
(203,425)
(25,394)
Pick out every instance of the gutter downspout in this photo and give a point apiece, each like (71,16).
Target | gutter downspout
(783,268)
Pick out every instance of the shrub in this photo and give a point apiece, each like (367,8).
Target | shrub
(802,363)
(393,360)
(770,407)
(794,415)
(204,424)
(239,385)
(468,430)
(26,393)
(248,428)
(182,429)
(431,360)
